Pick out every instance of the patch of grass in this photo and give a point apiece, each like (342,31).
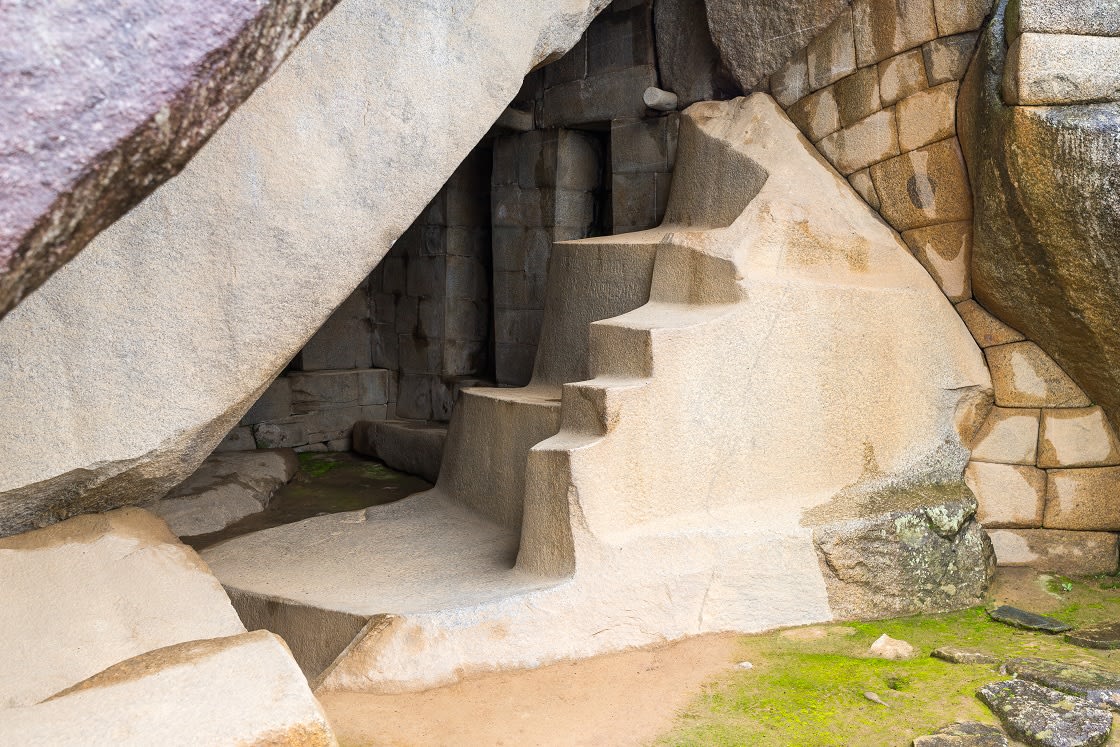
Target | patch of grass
(316,464)
(808,690)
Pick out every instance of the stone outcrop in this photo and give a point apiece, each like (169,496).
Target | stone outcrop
(164,330)
(104,101)
(242,689)
(718,407)
(1046,186)
(755,37)
(84,594)
(1042,717)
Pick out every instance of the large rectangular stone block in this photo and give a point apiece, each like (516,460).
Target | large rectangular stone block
(818,114)
(1083,499)
(323,390)
(865,143)
(857,96)
(1077,437)
(373,386)
(598,98)
(924,187)
(621,40)
(832,55)
(644,145)
(886,27)
(945,250)
(638,201)
(1093,17)
(344,339)
(1056,551)
(1007,495)
(947,58)
(274,404)
(902,76)
(1058,69)
(927,117)
(1008,436)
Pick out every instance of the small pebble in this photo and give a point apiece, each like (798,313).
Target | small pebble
(745,665)
(875,699)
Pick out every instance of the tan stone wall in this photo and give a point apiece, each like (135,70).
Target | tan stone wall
(876,92)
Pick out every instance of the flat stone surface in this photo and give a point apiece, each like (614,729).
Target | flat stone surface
(1092,683)
(1104,636)
(1077,437)
(927,117)
(985,328)
(104,100)
(1062,69)
(1042,717)
(945,250)
(925,186)
(1018,618)
(1008,436)
(955,655)
(964,734)
(1008,495)
(1025,376)
(902,76)
(242,689)
(1092,17)
(1056,550)
(1087,499)
(887,27)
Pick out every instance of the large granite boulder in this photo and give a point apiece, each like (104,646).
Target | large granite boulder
(129,365)
(755,37)
(1046,249)
(84,594)
(104,100)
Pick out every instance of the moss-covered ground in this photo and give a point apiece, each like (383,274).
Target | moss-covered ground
(806,686)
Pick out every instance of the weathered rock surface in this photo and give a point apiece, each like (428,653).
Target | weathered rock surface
(925,552)
(84,594)
(964,734)
(243,689)
(886,647)
(1092,683)
(1045,257)
(687,59)
(1018,618)
(104,101)
(1042,717)
(226,487)
(755,37)
(162,333)
(956,655)
(1101,636)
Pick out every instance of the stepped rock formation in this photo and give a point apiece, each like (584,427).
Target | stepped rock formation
(1046,186)
(749,417)
(126,368)
(105,100)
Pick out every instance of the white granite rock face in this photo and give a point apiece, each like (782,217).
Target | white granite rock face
(86,593)
(131,364)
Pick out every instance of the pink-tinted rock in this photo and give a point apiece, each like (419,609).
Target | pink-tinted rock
(106,99)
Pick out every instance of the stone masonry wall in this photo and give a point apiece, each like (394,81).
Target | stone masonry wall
(877,93)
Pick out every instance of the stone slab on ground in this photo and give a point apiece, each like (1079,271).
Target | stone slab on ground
(105,100)
(411,446)
(964,734)
(228,486)
(1091,683)
(1042,717)
(243,689)
(956,655)
(84,594)
(1104,636)
(1018,618)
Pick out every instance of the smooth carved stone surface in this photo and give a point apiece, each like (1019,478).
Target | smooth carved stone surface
(1093,17)
(238,690)
(1009,495)
(964,734)
(1046,187)
(1024,376)
(985,328)
(171,323)
(1083,499)
(1077,438)
(1101,636)
(1092,683)
(755,37)
(86,593)
(1056,550)
(1009,436)
(955,655)
(104,100)
(1018,618)
(945,250)
(1042,717)
(1062,69)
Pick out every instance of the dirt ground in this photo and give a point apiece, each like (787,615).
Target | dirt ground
(620,699)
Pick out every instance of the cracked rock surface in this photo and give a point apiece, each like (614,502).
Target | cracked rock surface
(1043,717)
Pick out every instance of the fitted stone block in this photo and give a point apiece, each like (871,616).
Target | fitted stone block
(1083,499)
(1057,69)
(861,182)
(927,116)
(238,439)
(414,396)
(621,39)
(419,355)
(469,319)
(958,16)
(467,277)
(945,250)
(517,326)
(924,187)
(343,340)
(902,76)
(598,98)
(642,145)
(638,201)
(578,161)
(274,404)
(514,364)
(323,390)
(1008,436)
(947,58)
(1093,17)
(791,81)
(1077,437)
(865,143)
(832,56)
(1056,551)
(373,386)
(1007,495)
(817,115)
(884,28)
(284,434)
(985,328)
(1024,376)
(857,96)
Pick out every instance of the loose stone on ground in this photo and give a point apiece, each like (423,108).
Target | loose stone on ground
(964,734)
(1091,683)
(1018,618)
(1102,636)
(955,655)
(1042,717)
(886,647)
